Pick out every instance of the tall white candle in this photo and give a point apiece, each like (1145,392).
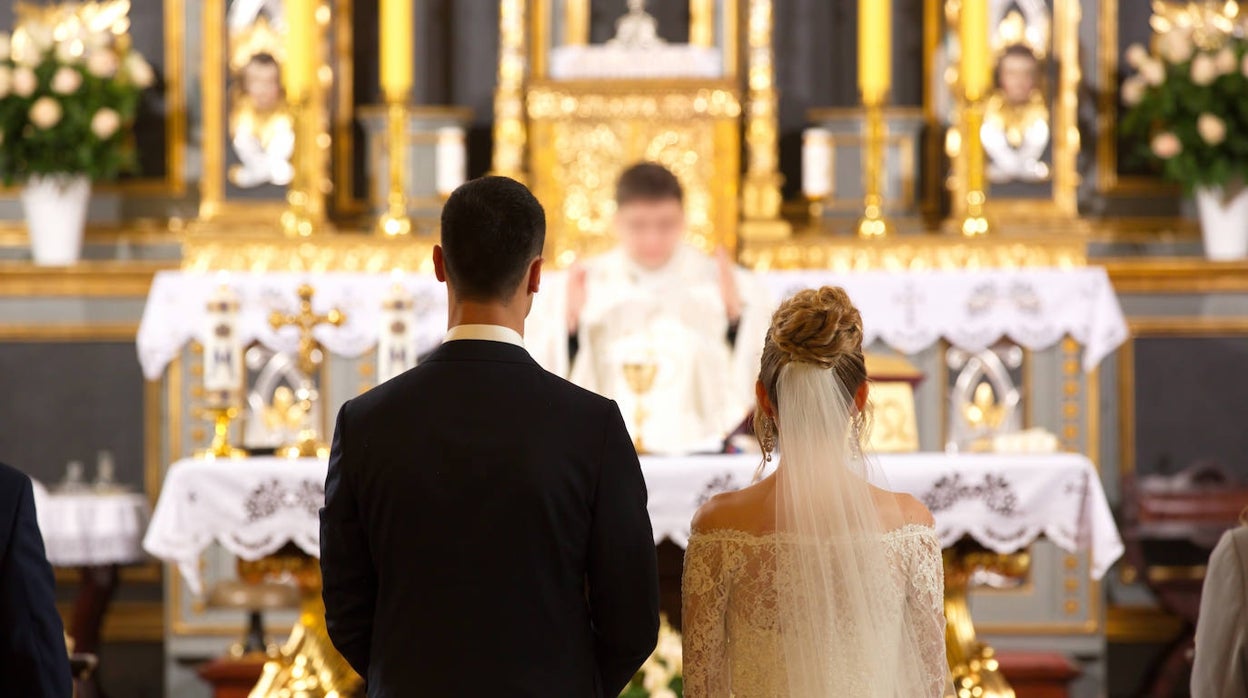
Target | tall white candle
(816,163)
(451,160)
(223,352)
(396,338)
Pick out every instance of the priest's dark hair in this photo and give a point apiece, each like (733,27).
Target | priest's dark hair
(492,229)
(647,181)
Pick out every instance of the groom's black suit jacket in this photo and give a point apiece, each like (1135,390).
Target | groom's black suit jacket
(485,533)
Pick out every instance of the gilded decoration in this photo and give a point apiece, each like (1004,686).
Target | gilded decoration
(588,134)
(914,253)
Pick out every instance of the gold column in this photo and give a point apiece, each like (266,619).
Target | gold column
(875,75)
(510,131)
(702,22)
(973,24)
(760,192)
(575,22)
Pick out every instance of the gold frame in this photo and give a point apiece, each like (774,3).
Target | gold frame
(174,75)
(1107,179)
(1064,139)
(213,204)
(1156,327)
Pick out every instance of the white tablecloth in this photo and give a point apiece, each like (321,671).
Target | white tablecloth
(257,505)
(90,529)
(909,311)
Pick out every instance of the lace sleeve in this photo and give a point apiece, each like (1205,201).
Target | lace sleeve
(704,620)
(926,599)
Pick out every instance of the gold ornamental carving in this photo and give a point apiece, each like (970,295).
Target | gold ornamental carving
(915,253)
(551,102)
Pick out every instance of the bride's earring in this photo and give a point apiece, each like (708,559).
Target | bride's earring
(768,439)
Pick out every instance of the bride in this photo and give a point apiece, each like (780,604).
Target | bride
(814,582)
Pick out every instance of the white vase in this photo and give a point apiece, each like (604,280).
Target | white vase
(56,213)
(1223,222)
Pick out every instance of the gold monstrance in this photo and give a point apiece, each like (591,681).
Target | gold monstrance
(309,443)
(640,377)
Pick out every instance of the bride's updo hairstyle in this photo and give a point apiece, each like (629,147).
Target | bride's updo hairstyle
(820,327)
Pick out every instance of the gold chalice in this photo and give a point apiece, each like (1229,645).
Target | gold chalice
(640,377)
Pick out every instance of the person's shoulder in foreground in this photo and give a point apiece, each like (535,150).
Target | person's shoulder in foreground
(1220,665)
(34,662)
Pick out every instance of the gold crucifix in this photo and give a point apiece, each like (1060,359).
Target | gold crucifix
(306,320)
(308,443)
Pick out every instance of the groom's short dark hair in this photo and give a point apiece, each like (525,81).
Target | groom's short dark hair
(492,228)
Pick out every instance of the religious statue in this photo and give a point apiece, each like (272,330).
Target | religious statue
(637,29)
(1016,119)
(261,129)
(657,308)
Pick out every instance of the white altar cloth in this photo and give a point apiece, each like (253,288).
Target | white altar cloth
(92,529)
(254,506)
(909,311)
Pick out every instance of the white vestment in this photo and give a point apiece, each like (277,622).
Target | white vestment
(673,318)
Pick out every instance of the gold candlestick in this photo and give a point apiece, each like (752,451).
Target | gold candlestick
(222,411)
(975,77)
(395,221)
(640,377)
(872,224)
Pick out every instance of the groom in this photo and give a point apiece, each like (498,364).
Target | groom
(485,529)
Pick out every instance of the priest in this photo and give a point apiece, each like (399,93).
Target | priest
(670,333)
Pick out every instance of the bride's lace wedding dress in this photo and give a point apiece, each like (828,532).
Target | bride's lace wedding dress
(733,642)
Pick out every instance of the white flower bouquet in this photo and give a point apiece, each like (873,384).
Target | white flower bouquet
(662,674)
(68,96)
(1188,103)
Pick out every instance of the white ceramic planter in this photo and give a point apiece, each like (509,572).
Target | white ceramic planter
(56,214)
(1223,223)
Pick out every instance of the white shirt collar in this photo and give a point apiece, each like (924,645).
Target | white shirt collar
(488,333)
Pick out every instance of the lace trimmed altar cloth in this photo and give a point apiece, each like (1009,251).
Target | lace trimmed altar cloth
(254,506)
(909,311)
(92,529)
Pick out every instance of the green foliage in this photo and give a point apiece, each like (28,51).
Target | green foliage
(70,145)
(1176,106)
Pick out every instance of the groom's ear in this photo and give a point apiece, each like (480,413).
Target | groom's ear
(535,276)
(439,263)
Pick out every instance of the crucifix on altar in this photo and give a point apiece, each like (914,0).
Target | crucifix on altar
(308,358)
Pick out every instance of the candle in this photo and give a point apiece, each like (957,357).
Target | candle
(974,38)
(396,338)
(875,49)
(301,62)
(451,166)
(223,353)
(816,163)
(396,48)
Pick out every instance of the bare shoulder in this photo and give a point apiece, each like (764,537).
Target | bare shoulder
(914,511)
(741,510)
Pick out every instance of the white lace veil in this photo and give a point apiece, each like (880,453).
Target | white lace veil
(843,615)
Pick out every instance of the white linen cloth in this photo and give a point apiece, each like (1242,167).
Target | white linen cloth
(975,308)
(254,506)
(92,529)
(177,303)
(909,311)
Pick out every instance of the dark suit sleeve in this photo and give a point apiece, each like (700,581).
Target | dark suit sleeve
(33,658)
(350,581)
(623,572)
